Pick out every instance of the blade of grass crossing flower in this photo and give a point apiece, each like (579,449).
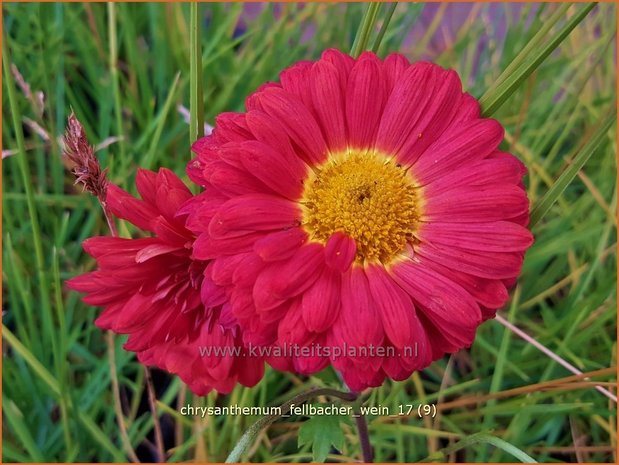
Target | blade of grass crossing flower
(383,28)
(492,100)
(362,38)
(572,170)
(196,110)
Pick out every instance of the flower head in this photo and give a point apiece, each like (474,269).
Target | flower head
(360,203)
(151,289)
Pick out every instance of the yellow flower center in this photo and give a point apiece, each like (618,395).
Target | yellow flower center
(365,195)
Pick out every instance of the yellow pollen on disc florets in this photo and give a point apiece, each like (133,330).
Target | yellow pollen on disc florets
(366,196)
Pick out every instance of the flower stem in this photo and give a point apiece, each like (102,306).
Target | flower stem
(252,432)
(152,402)
(364,435)
(124,436)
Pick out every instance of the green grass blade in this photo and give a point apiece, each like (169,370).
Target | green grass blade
(494,98)
(148,159)
(587,150)
(383,28)
(531,45)
(31,360)
(196,101)
(15,418)
(362,38)
(113,66)
(27,182)
(482,438)
(101,437)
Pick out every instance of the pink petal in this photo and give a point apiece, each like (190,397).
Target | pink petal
(395,306)
(146,183)
(406,106)
(468,109)
(300,125)
(272,169)
(253,212)
(504,170)
(340,251)
(341,61)
(211,294)
(101,245)
(321,302)
(153,251)
(223,268)
(247,270)
(125,206)
(231,127)
(171,181)
(499,236)
(394,67)
(270,132)
(452,310)
(232,181)
(488,292)
(208,248)
(250,370)
(466,204)
(328,98)
(281,281)
(359,323)
(365,99)
(280,245)
(294,80)
(292,329)
(491,265)
(437,114)
(471,141)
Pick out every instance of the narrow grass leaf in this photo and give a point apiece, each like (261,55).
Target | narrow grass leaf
(587,150)
(365,30)
(534,43)
(100,437)
(196,103)
(383,28)
(15,418)
(482,438)
(36,366)
(149,158)
(494,98)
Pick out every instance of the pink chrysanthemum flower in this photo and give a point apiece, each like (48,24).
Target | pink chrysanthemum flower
(360,203)
(150,289)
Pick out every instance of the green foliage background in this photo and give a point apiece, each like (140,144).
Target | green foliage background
(56,396)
